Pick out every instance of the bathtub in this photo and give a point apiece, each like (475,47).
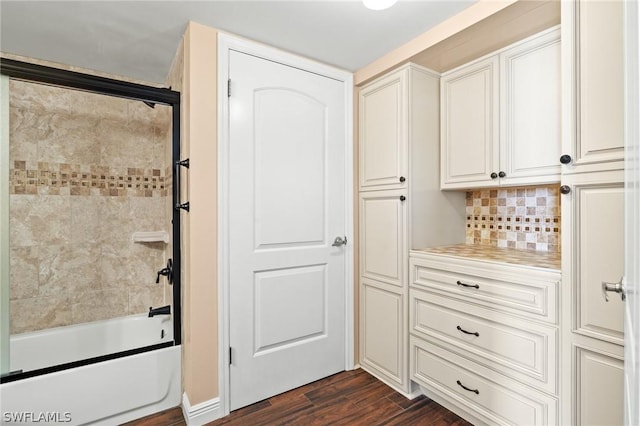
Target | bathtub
(102,393)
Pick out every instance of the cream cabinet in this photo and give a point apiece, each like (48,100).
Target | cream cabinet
(383,240)
(593,320)
(399,185)
(383,333)
(383,128)
(469,108)
(484,338)
(501,117)
(593,230)
(593,95)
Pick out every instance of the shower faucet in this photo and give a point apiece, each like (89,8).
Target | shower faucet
(163,310)
(166,272)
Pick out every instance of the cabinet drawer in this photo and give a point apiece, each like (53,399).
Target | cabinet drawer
(493,399)
(513,346)
(506,288)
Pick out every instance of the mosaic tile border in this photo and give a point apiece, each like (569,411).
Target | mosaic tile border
(520,218)
(73,179)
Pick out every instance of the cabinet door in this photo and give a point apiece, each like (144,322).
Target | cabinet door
(593,72)
(599,388)
(383,333)
(469,125)
(593,335)
(530,111)
(598,257)
(383,230)
(383,133)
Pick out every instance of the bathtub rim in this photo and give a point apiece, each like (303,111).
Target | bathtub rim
(83,362)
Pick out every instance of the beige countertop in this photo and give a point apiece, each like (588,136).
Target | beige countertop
(537,259)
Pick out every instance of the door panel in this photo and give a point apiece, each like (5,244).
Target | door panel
(286,205)
(530,108)
(600,82)
(383,151)
(384,331)
(600,257)
(599,393)
(469,108)
(382,242)
(290,168)
(301,293)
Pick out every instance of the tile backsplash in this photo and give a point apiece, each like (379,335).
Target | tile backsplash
(520,218)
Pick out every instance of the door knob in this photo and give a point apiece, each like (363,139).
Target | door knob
(339,242)
(614,287)
(565,189)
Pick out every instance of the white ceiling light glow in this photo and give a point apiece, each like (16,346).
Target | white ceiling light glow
(378,4)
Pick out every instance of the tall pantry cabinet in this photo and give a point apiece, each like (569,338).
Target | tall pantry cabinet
(401,207)
(592,213)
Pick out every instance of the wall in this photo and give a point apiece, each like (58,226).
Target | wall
(87,171)
(520,218)
(200,239)
(483,27)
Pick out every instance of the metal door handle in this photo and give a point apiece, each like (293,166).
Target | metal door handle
(614,287)
(339,242)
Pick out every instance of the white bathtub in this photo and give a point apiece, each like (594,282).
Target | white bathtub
(104,393)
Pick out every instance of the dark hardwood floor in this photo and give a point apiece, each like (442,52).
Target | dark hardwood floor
(347,398)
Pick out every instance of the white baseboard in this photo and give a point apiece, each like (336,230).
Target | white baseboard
(201,413)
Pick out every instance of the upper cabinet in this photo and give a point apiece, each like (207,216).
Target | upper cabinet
(593,64)
(469,124)
(500,117)
(383,133)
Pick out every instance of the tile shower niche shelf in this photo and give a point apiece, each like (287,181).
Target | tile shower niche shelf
(151,237)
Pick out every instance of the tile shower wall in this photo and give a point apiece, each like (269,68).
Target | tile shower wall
(87,171)
(520,218)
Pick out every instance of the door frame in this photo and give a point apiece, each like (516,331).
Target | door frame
(631,14)
(226,44)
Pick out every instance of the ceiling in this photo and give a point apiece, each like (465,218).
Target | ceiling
(138,39)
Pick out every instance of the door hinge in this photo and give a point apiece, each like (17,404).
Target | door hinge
(230,356)
(229,88)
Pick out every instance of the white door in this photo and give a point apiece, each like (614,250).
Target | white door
(286,206)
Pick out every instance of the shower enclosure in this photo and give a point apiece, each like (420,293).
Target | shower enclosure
(89,245)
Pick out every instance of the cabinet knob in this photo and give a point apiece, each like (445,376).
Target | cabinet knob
(402,179)
(565,159)
(502,174)
(402,198)
(494,175)
(565,189)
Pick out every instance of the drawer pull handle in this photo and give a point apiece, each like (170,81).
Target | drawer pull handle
(467,285)
(476,391)
(468,332)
